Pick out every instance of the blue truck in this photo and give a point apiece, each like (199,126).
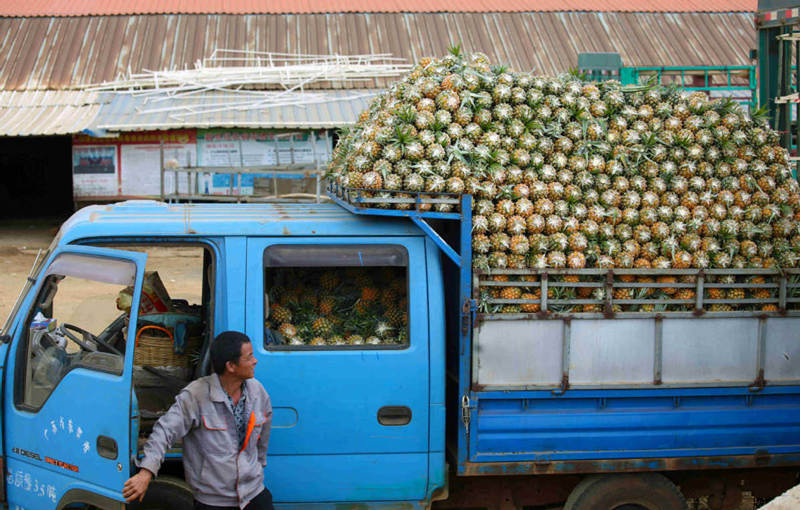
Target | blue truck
(467,407)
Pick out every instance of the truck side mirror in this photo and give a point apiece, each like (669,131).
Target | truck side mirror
(5,339)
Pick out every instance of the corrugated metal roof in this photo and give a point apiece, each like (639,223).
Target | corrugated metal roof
(122,7)
(46,112)
(58,53)
(125,112)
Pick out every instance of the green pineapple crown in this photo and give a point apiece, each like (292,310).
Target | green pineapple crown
(406,114)
(726,105)
(760,116)
(574,72)
(402,137)
(499,69)
(455,50)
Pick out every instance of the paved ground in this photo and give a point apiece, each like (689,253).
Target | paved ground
(789,500)
(20,241)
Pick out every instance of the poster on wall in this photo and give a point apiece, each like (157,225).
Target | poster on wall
(245,148)
(140,161)
(94,170)
(130,166)
(141,175)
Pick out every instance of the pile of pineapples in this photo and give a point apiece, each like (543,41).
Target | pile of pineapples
(353,306)
(566,173)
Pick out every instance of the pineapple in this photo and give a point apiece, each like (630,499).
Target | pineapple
(721,308)
(519,244)
(369,294)
(383,330)
(736,293)
(280,314)
(668,279)
(396,316)
(623,293)
(716,293)
(685,294)
(760,293)
(510,293)
(354,340)
(327,304)
(531,307)
(322,327)
(576,260)
(646,291)
(287,330)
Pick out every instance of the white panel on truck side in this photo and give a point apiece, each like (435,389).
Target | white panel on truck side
(782,359)
(622,352)
(518,353)
(612,351)
(710,350)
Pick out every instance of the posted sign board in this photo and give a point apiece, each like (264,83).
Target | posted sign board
(247,147)
(130,165)
(94,170)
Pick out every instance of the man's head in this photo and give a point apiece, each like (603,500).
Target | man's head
(232,353)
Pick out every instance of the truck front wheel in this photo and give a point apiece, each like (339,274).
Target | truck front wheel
(165,493)
(626,492)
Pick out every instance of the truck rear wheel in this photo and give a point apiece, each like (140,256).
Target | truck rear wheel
(626,492)
(165,493)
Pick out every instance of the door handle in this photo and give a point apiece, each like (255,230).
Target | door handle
(394,416)
(106,447)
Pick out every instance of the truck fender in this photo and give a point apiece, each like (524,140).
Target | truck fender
(165,493)
(83,496)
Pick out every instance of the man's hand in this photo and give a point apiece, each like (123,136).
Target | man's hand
(136,486)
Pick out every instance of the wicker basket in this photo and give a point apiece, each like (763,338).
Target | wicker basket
(154,347)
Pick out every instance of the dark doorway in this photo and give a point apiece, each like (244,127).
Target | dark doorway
(35,177)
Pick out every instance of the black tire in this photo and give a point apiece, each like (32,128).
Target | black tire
(626,492)
(165,493)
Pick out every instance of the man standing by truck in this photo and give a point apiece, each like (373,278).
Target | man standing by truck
(224,420)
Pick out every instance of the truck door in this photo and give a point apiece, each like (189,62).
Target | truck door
(343,352)
(67,400)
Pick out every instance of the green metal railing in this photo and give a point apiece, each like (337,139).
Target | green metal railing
(741,78)
(704,78)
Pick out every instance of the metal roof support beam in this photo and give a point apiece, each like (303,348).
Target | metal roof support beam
(441,243)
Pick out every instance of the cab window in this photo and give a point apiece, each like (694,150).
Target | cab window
(76,322)
(336,297)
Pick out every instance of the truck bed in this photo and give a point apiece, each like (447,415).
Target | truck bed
(563,390)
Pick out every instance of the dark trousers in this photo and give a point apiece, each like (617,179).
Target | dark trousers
(261,502)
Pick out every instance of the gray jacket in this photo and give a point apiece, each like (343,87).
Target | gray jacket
(218,472)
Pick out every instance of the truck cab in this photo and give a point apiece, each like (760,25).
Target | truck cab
(355,420)
(588,402)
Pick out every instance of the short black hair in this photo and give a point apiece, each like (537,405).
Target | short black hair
(227,346)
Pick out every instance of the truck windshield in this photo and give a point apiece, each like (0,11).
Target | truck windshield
(38,264)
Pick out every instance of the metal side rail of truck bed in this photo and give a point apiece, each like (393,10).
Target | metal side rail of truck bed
(623,380)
